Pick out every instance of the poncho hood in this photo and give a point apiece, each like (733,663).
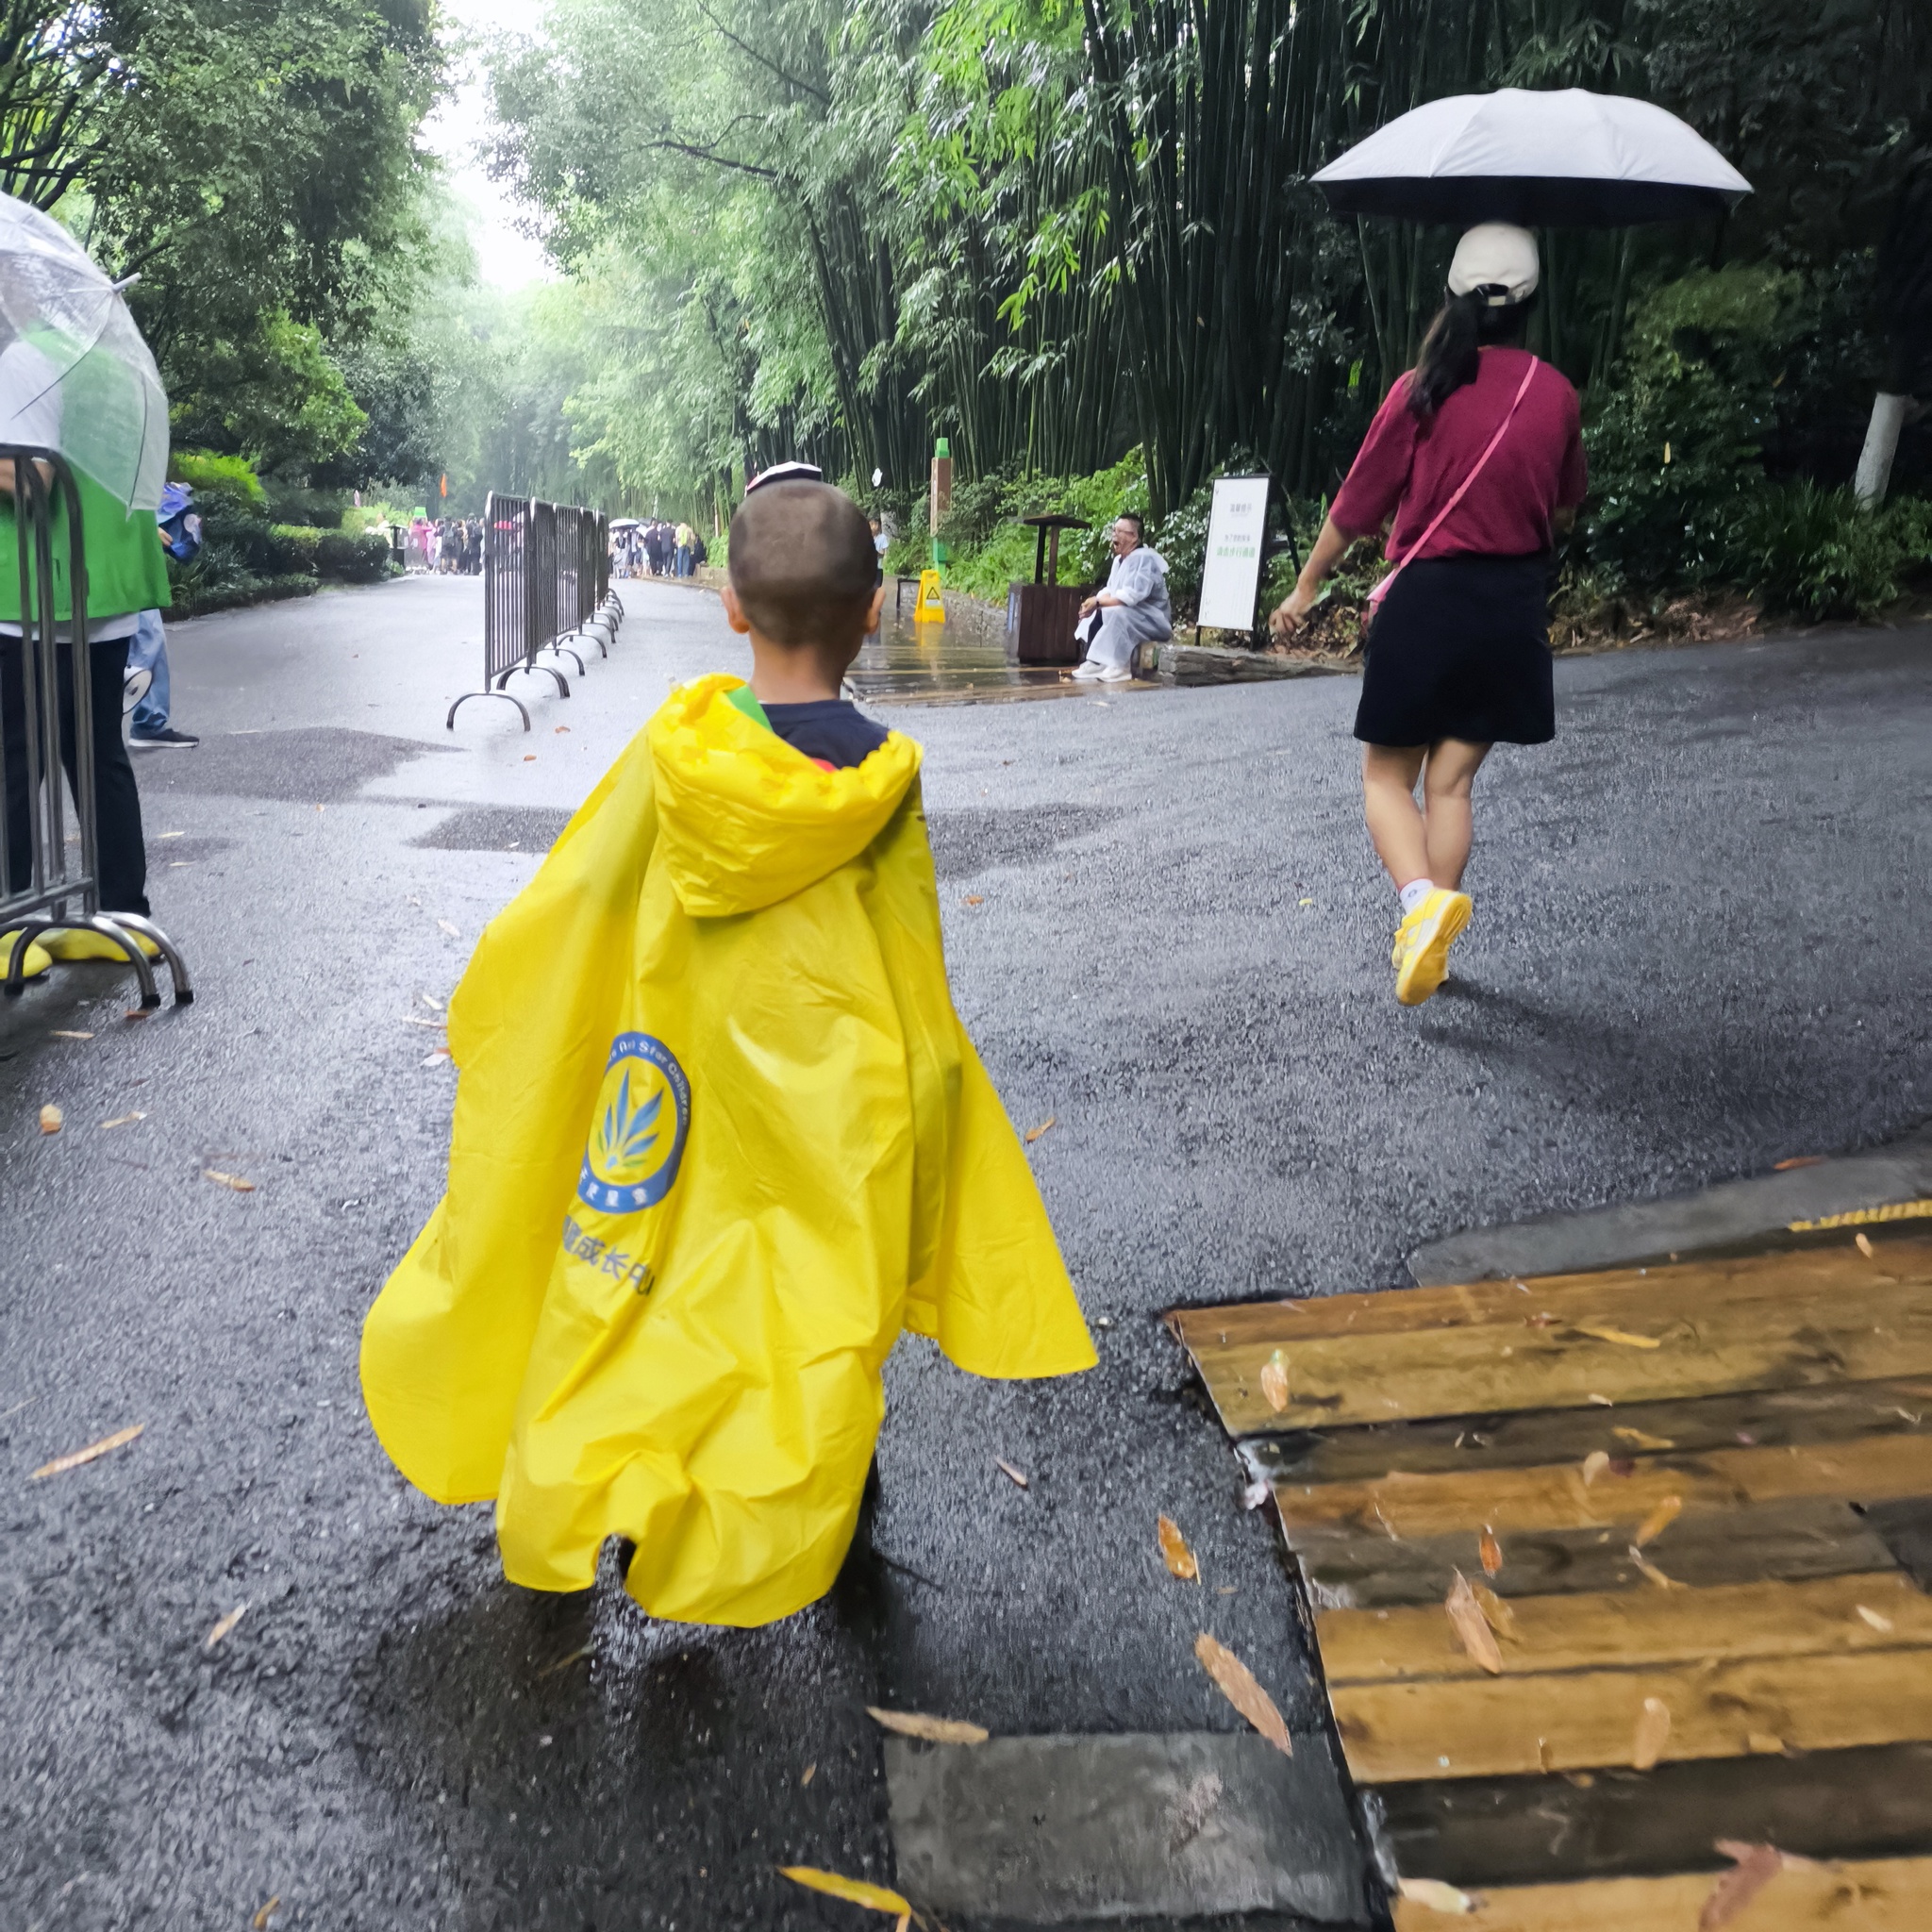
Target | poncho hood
(744,820)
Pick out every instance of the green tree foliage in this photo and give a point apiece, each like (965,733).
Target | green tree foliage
(1054,230)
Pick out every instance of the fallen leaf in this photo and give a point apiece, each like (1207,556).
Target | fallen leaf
(261,1917)
(1436,1896)
(1652,1733)
(1864,1245)
(560,727)
(1874,1618)
(138,1012)
(126,1119)
(429,999)
(1757,1866)
(170,835)
(240,1183)
(1274,1381)
(1594,1465)
(1637,1440)
(853,1891)
(1649,1569)
(1491,1551)
(1034,1133)
(1502,1619)
(1174,1552)
(444,925)
(1658,1520)
(974,899)
(810,1772)
(62,1033)
(564,1663)
(436,1058)
(61,1464)
(529,758)
(1006,1468)
(1601,1400)
(1471,1627)
(1238,1687)
(1622,1336)
(223,1626)
(1797,1160)
(51,1118)
(935,1730)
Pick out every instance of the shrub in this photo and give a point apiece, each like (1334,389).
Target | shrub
(1675,439)
(211,475)
(358,557)
(1814,552)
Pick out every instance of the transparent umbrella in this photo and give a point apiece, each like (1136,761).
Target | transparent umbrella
(75,376)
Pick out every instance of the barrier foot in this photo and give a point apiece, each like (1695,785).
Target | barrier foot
(111,923)
(563,651)
(449,723)
(530,671)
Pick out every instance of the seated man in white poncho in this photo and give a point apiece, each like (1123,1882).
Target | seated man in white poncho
(1132,610)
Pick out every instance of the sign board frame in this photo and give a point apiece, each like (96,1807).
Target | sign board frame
(1236,544)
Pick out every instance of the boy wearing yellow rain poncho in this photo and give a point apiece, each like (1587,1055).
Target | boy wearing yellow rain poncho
(718,1136)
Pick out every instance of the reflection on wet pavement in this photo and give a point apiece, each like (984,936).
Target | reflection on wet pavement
(957,662)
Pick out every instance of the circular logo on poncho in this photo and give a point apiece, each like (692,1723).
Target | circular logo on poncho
(636,1140)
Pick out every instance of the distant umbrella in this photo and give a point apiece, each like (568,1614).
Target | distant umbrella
(75,376)
(1564,158)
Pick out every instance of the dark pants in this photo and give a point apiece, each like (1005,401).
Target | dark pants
(120,848)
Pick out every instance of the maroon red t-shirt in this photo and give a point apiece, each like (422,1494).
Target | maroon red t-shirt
(1412,470)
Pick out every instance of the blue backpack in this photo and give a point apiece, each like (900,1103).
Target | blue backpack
(180,526)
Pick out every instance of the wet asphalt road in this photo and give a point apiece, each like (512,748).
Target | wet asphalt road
(1699,948)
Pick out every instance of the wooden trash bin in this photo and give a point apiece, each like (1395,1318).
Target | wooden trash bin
(1045,611)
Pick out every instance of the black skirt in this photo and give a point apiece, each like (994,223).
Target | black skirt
(1460,649)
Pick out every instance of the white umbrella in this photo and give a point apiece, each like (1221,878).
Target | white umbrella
(1559,158)
(75,376)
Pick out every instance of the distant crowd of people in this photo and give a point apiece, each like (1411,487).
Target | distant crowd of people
(452,546)
(654,548)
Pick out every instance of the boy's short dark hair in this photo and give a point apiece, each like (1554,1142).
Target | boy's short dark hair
(803,563)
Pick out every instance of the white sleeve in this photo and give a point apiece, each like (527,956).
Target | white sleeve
(1136,572)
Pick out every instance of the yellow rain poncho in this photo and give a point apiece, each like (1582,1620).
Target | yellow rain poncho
(718,1136)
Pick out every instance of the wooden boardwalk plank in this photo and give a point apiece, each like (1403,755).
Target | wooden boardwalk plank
(1581,1719)
(1561,1496)
(1872,1895)
(1872,1803)
(1773,1540)
(1833,1320)
(1636,1628)
(1773,1418)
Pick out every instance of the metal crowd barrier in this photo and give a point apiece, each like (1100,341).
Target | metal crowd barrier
(546,580)
(59,884)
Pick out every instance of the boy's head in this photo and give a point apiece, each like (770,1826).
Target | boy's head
(804,577)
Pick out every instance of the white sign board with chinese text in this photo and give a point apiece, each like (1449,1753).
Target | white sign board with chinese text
(1231,571)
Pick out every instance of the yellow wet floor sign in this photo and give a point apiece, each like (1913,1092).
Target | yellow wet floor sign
(930,609)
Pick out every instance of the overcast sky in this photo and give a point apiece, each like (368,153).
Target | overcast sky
(504,255)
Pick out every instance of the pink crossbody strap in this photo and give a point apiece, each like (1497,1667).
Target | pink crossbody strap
(1381,589)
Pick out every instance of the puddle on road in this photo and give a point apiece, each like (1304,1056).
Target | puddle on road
(958,664)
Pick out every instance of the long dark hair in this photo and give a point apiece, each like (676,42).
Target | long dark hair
(1449,357)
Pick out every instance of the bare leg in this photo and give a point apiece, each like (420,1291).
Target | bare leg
(1447,775)
(1395,823)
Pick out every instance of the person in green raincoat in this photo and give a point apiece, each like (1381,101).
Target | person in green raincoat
(719,1137)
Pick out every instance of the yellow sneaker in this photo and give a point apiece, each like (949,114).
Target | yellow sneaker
(37,961)
(82,942)
(1422,962)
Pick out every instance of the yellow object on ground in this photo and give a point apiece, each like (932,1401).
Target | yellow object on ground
(930,609)
(70,942)
(37,961)
(718,1136)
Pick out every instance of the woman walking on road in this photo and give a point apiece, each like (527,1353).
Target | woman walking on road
(1477,454)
